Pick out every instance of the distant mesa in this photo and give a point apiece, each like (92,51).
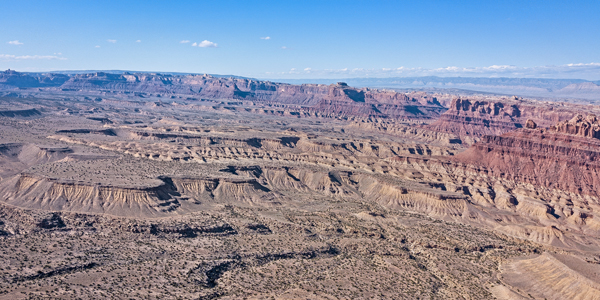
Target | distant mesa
(338,99)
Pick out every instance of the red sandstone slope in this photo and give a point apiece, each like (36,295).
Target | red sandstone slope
(565,156)
(479,117)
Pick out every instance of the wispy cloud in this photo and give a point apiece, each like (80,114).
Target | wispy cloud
(30,57)
(15,42)
(97,46)
(207,44)
(184,42)
(265,38)
(285,48)
(590,71)
(112,41)
(138,41)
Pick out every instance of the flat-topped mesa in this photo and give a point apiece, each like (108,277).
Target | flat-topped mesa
(335,99)
(579,126)
(13,79)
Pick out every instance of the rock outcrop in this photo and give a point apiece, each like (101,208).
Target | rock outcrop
(566,156)
(479,117)
(20,113)
(579,126)
(13,79)
(339,99)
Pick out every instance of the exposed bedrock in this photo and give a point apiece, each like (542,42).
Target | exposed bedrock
(20,113)
(584,127)
(565,156)
(552,276)
(31,191)
(12,78)
(262,186)
(326,99)
(467,117)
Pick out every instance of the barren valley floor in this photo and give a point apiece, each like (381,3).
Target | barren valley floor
(354,194)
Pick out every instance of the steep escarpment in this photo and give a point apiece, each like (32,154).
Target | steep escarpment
(339,99)
(584,127)
(19,113)
(13,79)
(16,157)
(344,100)
(565,156)
(32,191)
(479,117)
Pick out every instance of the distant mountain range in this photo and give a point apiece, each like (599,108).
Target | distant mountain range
(75,72)
(338,99)
(572,89)
(528,87)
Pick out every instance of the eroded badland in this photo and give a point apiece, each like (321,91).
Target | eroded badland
(196,187)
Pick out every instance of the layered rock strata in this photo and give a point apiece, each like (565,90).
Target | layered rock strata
(566,156)
(480,117)
(326,99)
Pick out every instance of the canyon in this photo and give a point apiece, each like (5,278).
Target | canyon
(208,187)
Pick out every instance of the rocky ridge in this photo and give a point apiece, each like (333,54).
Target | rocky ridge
(565,156)
(479,117)
(336,98)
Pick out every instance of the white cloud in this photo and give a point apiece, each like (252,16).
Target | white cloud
(589,71)
(97,46)
(285,48)
(194,44)
(30,57)
(184,42)
(111,41)
(265,38)
(207,44)
(15,42)
(138,41)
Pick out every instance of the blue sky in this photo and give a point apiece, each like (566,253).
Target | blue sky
(306,39)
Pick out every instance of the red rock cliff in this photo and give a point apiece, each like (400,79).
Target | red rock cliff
(565,156)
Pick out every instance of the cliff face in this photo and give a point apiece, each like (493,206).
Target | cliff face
(486,117)
(13,79)
(20,113)
(580,126)
(328,99)
(339,99)
(565,156)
